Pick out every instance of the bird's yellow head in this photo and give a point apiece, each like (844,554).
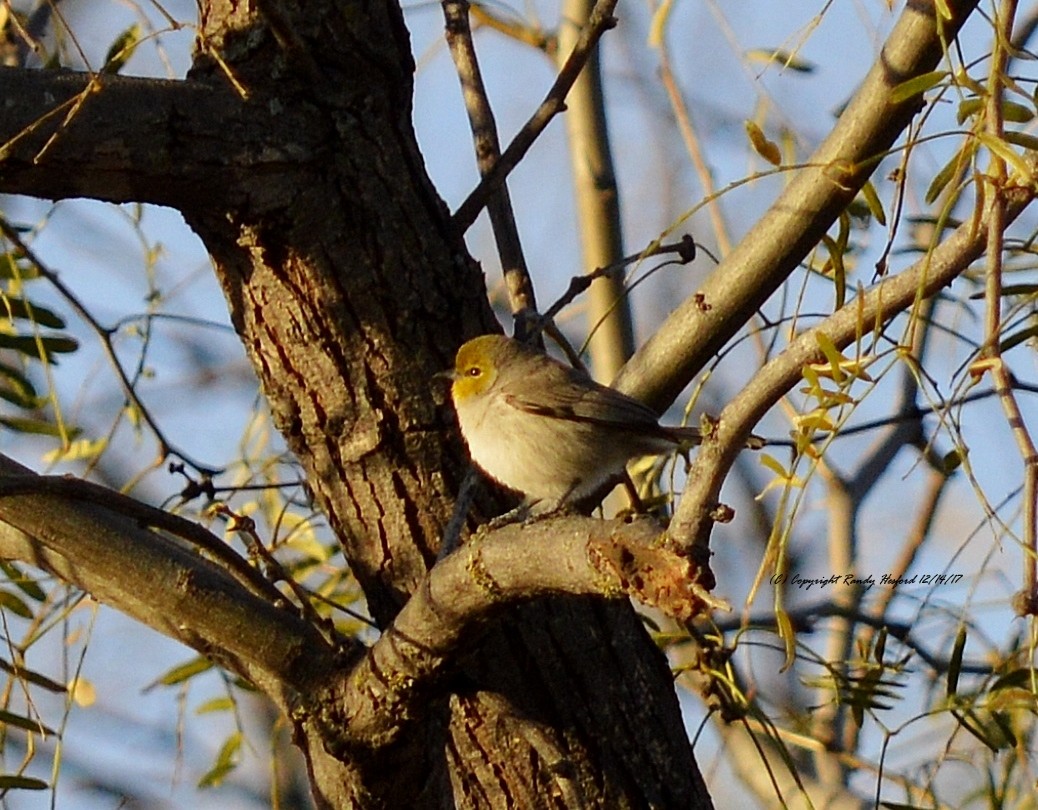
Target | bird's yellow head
(476,367)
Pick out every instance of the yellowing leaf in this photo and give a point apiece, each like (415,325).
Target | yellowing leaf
(761,145)
(788,636)
(817,419)
(979,368)
(220,704)
(783,476)
(77,450)
(1003,150)
(832,354)
(83,692)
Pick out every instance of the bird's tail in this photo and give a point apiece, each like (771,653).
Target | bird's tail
(693,437)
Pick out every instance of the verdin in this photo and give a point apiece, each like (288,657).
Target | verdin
(545,429)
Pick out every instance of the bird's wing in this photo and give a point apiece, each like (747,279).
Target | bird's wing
(569,395)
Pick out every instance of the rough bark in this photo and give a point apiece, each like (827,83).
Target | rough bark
(289,150)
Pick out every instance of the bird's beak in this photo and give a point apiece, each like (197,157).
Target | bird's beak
(445,376)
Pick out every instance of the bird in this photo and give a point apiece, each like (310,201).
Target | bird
(546,430)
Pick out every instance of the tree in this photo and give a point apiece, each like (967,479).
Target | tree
(510,672)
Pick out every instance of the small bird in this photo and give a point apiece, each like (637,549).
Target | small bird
(547,430)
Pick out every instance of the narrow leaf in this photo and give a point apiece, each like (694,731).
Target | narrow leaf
(122,49)
(786,58)
(950,170)
(916,85)
(868,191)
(221,704)
(761,145)
(955,662)
(183,672)
(1018,337)
(226,761)
(27,723)
(13,782)
(27,344)
(33,426)
(15,604)
(22,581)
(23,308)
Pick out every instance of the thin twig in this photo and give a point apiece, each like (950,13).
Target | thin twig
(532,35)
(104,335)
(521,297)
(599,22)
(1026,602)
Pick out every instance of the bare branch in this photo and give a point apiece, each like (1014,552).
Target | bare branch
(161,582)
(488,151)
(600,21)
(66,134)
(452,605)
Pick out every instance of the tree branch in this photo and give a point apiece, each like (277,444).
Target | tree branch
(611,558)
(67,134)
(162,583)
(798,219)
(694,518)
(600,20)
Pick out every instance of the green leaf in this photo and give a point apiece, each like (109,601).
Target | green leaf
(1016,113)
(1018,337)
(968,108)
(951,461)
(15,604)
(995,734)
(22,581)
(955,662)
(1023,139)
(226,761)
(13,267)
(19,400)
(14,782)
(916,85)
(122,49)
(786,58)
(28,345)
(221,704)
(27,723)
(868,191)
(36,427)
(950,170)
(35,678)
(18,380)
(1016,679)
(23,308)
(183,672)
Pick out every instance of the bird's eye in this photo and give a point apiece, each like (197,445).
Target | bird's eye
(473,371)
